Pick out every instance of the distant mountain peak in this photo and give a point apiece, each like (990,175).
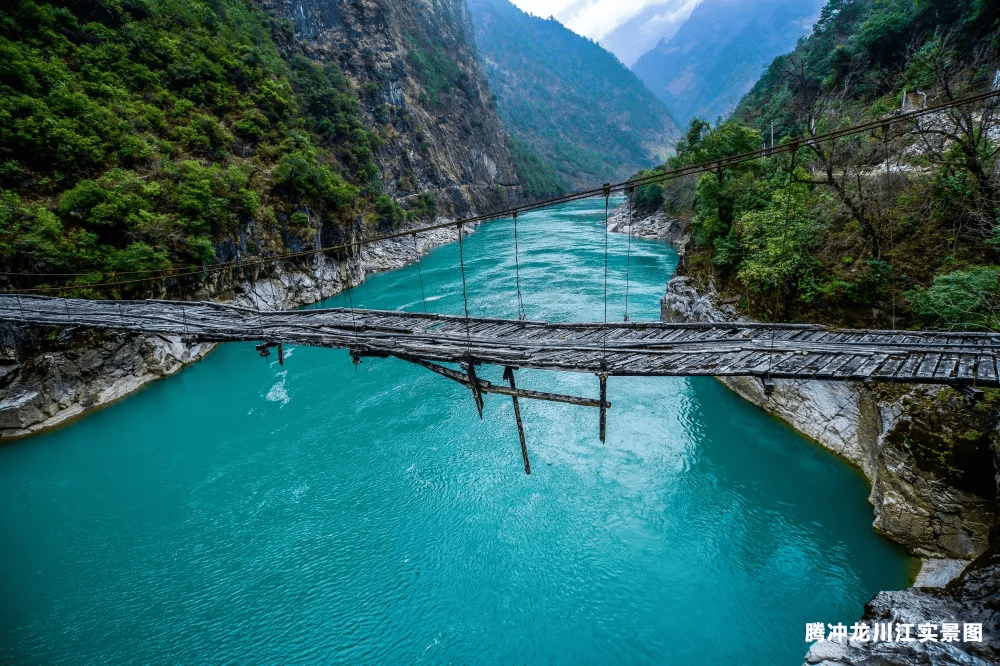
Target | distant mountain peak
(719,52)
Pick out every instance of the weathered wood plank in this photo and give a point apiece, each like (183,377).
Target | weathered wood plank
(946,366)
(966,367)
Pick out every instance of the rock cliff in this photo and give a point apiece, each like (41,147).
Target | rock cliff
(416,69)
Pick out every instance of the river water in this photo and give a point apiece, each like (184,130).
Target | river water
(322,513)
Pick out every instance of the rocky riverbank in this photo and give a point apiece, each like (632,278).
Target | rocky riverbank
(933,461)
(48,377)
(934,467)
(655,226)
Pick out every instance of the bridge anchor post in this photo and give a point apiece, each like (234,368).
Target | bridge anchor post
(508,374)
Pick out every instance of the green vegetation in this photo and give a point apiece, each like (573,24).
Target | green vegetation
(423,208)
(134,134)
(438,72)
(540,180)
(892,228)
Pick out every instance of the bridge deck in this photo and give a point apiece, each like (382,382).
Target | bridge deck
(635,348)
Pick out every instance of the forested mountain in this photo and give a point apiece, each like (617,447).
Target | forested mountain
(715,57)
(144,135)
(568,100)
(895,227)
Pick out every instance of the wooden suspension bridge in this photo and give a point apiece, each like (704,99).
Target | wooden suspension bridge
(968,361)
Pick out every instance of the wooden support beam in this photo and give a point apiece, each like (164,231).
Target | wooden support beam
(487,387)
(971,393)
(477,394)
(508,374)
(604,398)
(768,385)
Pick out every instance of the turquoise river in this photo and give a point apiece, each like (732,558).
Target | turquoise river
(242,512)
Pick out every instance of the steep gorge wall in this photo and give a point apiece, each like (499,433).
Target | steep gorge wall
(415,67)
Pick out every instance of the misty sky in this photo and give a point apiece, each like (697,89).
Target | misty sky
(627,28)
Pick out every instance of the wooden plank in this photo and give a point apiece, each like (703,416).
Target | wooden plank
(870,365)
(985,370)
(830,369)
(946,367)
(928,365)
(848,369)
(909,368)
(966,367)
(889,369)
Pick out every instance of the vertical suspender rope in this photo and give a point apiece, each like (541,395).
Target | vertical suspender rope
(628,254)
(416,252)
(349,299)
(465,297)
(603,376)
(184,318)
(262,347)
(470,366)
(20,307)
(607,195)
(768,385)
(517,272)
(885,139)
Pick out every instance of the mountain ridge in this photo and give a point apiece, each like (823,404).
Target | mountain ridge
(567,99)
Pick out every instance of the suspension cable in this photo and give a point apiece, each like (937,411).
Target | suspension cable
(517,272)
(628,255)
(416,252)
(465,297)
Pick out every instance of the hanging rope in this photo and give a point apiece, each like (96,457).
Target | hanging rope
(416,252)
(184,318)
(628,255)
(517,272)
(21,308)
(885,139)
(607,195)
(465,297)
(784,236)
(349,299)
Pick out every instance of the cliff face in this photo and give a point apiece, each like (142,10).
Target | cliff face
(415,67)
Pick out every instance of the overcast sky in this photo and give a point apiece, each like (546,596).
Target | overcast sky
(627,28)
